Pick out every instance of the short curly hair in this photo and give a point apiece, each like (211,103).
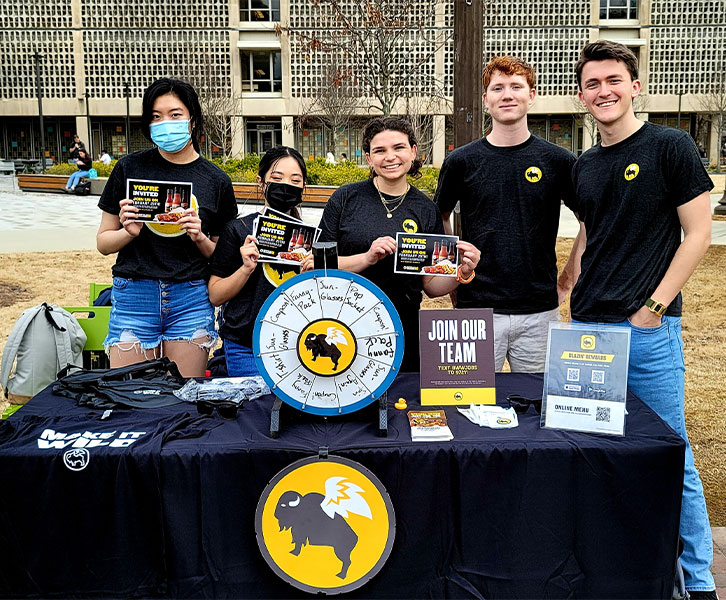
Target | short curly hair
(509,65)
(380,124)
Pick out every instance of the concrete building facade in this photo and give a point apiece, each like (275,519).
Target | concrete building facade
(95,58)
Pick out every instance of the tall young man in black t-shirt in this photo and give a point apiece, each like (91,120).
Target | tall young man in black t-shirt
(635,192)
(510,185)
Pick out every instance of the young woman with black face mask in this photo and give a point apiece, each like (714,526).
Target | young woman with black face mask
(160,299)
(238,279)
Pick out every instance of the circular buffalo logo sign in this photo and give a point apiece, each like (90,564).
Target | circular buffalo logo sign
(325,525)
(326,347)
(410,226)
(631,172)
(76,459)
(533,174)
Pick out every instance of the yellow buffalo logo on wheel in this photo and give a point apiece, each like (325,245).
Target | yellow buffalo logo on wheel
(327,347)
(325,525)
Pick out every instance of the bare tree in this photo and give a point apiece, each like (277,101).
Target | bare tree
(386,46)
(714,104)
(584,118)
(219,104)
(332,102)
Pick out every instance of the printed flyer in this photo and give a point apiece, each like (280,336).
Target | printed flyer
(271,212)
(282,241)
(586,378)
(457,356)
(426,254)
(159,201)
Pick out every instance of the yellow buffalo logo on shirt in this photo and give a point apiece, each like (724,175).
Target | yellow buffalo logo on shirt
(410,226)
(533,174)
(631,171)
(325,525)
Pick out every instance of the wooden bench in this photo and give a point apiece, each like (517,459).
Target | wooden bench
(314,195)
(42,183)
(244,193)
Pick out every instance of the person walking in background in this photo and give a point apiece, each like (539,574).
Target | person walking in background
(84,164)
(636,192)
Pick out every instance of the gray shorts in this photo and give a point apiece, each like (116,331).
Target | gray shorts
(522,340)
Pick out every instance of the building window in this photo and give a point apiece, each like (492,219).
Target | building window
(618,9)
(259,10)
(261,71)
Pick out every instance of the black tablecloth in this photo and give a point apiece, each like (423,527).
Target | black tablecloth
(518,513)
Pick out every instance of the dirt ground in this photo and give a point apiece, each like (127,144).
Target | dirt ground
(63,278)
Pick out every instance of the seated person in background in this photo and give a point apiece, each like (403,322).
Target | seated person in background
(84,163)
(104,157)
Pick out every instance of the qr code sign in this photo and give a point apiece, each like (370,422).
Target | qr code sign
(598,376)
(573,374)
(603,414)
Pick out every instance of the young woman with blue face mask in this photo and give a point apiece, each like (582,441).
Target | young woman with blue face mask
(160,304)
(237,278)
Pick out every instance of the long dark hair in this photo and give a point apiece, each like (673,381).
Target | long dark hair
(182,90)
(273,156)
(380,124)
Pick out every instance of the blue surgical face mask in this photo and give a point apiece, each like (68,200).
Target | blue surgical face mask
(170,136)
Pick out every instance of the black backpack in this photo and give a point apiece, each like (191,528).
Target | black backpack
(83,188)
(149,384)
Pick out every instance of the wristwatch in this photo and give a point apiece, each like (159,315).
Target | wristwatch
(657,308)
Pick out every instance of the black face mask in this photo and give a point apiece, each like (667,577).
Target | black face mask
(282,196)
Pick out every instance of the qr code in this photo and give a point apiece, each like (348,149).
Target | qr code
(598,376)
(573,374)
(603,414)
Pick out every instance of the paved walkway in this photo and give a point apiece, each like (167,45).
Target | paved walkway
(33,222)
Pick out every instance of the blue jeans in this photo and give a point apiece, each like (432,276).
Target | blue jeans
(75,179)
(656,376)
(148,312)
(240,360)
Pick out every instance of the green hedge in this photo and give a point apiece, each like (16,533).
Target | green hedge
(319,172)
(104,170)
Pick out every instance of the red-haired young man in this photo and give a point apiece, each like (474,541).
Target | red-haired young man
(510,185)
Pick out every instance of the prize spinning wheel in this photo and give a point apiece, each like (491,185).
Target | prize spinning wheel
(328,342)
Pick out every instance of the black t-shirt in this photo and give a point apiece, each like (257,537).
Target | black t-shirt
(627,197)
(354,217)
(152,255)
(238,320)
(510,209)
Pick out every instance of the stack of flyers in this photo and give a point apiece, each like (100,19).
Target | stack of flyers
(159,201)
(283,239)
(429,426)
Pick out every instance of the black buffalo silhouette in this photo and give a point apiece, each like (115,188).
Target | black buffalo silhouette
(630,171)
(308,524)
(532,174)
(319,347)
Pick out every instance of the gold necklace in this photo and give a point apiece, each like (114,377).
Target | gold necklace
(399,199)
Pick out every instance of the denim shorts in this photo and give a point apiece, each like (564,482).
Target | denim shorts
(150,311)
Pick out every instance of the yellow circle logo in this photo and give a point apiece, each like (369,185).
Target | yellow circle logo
(171,229)
(587,342)
(503,421)
(533,174)
(326,347)
(631,172)
(325,525)
(277,274)
(458,396)
(410,226)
